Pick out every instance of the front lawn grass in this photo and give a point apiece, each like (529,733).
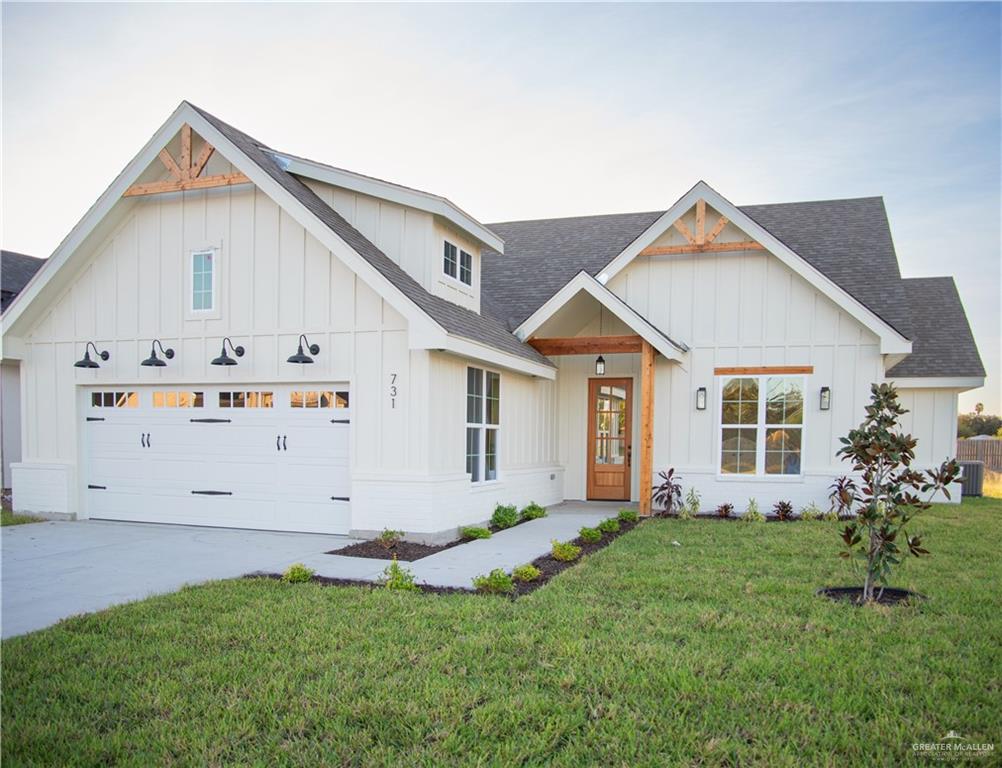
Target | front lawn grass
(715,652)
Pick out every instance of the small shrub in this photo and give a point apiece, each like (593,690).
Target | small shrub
(752,513)
(690,509)
(830,516)
(297,573)
(668,493)
(496,582)
(565,551)
(811,512)
(527,572)
(590,535)
(725,510)
(475,532)
(397,577)
(533,511)
(610,525)
(627,515)
(388,539)
(783,510)
(505,516)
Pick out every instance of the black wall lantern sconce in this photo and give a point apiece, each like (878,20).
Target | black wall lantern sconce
(600,366)
(86,362)
(225,359)
(300,357)
(701,399)
(153,360)
(826,398)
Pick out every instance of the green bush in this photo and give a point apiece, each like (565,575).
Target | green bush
(526,572)
(397,577)
(810,512)
(496,582)
(752,513)
(831,516)
(610,525)
(297,573)
(591,535)
(627,515)
(505,516)
(389,538)
(533,511)
(475,532)
(690,509)
(565,551)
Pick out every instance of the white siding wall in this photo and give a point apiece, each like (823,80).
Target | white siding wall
(10,418)
(276,281)
(932,420)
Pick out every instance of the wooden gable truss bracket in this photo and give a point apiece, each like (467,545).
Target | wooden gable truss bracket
(186,173)
(702,241)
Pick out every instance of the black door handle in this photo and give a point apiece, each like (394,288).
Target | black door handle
(284,446)
(148,440)
(142,439)
(278,442)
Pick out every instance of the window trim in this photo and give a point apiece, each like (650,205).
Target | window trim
(213,311)
(445,244)
(483,427)
(761,428)
(457,278)
(459,268)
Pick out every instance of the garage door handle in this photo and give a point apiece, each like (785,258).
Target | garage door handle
(340,421)
(147,439)
(95,418)
(212,493)
(340,498)
(142,439)
(278,442)
(209,421)
(284,446)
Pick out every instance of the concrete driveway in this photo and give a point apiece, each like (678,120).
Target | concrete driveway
(57,569)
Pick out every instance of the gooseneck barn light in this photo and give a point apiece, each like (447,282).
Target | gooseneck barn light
(600,366)
(301,358)
(225,359)
(153,360)
(86,362)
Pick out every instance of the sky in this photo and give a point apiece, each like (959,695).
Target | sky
(536,111)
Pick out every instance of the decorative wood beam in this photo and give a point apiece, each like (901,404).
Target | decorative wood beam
(681,227)
(762,369)
(203,158)
(700,221)
(170,165)
(204,182)
(717,229)
(587,345)
(185,151)
(747,245)
(646,427)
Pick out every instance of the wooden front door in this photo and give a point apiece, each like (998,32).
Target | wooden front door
(610,408)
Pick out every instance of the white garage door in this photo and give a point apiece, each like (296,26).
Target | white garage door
(267,457)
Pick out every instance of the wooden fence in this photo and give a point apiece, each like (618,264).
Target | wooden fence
(988,451)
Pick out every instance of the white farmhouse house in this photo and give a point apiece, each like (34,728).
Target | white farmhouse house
(235,336)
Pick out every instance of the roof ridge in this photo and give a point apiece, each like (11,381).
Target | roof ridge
(570,218)
(811,202)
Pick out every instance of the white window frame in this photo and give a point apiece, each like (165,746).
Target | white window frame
(459,268)
(483,427)
(760,426)
(444,270)
(213,311)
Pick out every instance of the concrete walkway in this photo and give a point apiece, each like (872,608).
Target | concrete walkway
(456,566)
(54,570)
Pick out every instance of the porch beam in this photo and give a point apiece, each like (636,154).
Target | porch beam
(203,182)
(646,427)
(588,345)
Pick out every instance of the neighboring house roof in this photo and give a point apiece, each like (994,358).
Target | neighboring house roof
(453,318)
(942,342)
(849,241)
(16,269)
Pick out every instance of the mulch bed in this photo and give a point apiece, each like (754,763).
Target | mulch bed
(405,551)
(885,596)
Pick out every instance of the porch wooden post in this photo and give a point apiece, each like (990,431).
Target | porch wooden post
(646,426)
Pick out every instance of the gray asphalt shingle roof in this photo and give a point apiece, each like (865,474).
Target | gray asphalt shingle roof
(16,269)
(454,319)
(943,344)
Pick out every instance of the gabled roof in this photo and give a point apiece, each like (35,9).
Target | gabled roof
(16,269)
(454,319)
(849,241)
(943,344)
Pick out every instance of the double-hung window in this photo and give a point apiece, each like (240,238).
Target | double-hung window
(761,425)
(450,260)
(465,268)
(483,419)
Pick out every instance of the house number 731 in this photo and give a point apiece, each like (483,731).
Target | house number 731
(393,390)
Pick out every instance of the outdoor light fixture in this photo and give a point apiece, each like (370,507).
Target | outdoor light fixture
(225,359)
(600,366)
(826,398)
(300,357)
(87,362)
(701,399)
(155,361)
